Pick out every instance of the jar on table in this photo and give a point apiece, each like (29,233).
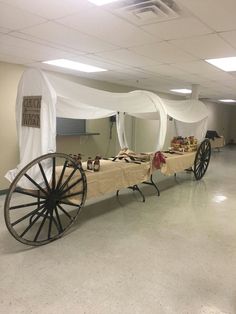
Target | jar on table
(79,160)
(96,164)
(90,164)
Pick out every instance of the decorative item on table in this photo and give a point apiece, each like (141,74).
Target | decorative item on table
(184,144)
(158,160)
(89,164)
(96,163)
(131,156)
(77,159)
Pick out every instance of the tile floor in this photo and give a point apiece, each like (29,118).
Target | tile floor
(175,254)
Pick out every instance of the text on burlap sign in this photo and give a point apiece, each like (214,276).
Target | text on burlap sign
(31,111)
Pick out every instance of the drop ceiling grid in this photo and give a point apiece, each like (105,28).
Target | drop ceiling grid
(50,9)
(68,37)
(178,28)
(16,46)
(217,14)
(104,25)
(205,47)
(14,18)
(81,31)
(43,42)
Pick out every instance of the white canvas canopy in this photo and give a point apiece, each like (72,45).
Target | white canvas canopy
(67,99)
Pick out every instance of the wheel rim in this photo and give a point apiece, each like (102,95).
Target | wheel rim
(51,205)
(202,159)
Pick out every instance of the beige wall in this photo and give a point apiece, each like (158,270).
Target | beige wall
(219,118)
(232,124)
(9,78)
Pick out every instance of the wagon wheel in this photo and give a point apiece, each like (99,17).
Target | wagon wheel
(54,192)
(202,159)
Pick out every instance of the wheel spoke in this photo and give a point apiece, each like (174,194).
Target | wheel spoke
(28,215)
(71,186)
(28,193)
(53,173)
(33,222)
(65,212)
(26,205)
(70,204)
(35,183)
(72,194)
(198,171)
(56,224)
(41,226)
(62,174)
(68,179)
(44,177)
(50,224)
(58,219)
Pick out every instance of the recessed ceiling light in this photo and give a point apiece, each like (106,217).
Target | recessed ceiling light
(102,2)
(68,64)
(225,64)
(227,100)
(182,91)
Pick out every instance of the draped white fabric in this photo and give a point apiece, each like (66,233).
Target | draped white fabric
(34,142)
(197,129)
(65,98)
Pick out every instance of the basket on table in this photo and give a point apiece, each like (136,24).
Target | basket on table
(184,144)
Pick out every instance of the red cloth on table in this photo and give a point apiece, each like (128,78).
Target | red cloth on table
(158,159)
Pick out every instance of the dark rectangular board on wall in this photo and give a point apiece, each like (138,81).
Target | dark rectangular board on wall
(71,126)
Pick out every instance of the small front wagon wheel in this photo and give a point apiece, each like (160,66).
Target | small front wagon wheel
(54,190)
(202,159)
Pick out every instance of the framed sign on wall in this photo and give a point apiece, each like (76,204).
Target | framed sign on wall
(31,108)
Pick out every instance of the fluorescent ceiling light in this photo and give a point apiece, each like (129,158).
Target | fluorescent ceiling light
(102,2)
(227,100)
(182,91)
(225,64)
(68,64)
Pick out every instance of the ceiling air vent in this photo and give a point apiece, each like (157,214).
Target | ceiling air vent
(143,12)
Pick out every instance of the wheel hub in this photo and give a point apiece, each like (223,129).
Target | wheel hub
(52,200)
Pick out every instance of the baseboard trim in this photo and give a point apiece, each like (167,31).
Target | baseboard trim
(2,192)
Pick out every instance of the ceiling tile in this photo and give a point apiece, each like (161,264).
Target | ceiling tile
(14,59)
(44,42)
(197,67)
(230,37)
(205,70)
(205,47)
(106,26)
(163,52)
(15,46)
(14,19)
(4,30)
(167,70)
(124,56)
(51,9)
(218,14)
(67,37)
(178,28)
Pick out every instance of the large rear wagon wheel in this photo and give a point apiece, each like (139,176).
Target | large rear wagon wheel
(202,159)
(54,192)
